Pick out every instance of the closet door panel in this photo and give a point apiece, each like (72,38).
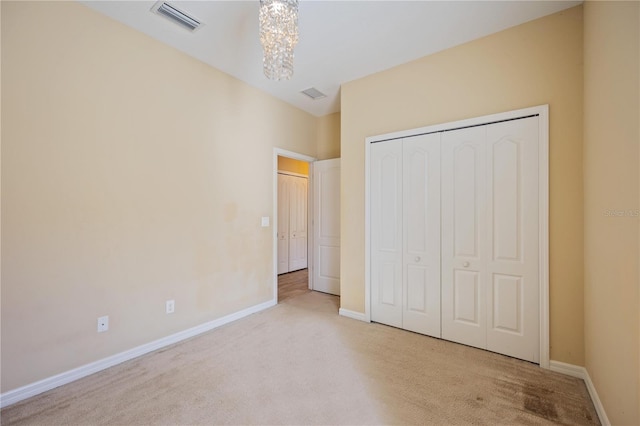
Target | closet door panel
(386,233)
(297,223)
(421,234)
(463,236)
(512,238)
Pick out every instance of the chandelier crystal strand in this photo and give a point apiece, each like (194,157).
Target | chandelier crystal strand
(278,36)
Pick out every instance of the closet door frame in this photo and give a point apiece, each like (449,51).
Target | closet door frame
(542,111)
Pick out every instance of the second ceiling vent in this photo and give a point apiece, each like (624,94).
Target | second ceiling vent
(314,93)
(176,15)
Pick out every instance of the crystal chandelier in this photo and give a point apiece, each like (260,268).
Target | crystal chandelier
(278,36)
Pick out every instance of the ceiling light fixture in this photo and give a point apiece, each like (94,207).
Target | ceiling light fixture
(278,36)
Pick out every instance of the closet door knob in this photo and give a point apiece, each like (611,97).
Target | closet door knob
(417,259)
(465,264)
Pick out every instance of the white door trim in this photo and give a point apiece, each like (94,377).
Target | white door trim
(279,152)
(543,187)
(284,172)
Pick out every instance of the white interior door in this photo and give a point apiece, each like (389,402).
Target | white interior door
(297,223)
(386,233)
(283,223)
(326,220)
(463,237)
(512,239)
(421,234)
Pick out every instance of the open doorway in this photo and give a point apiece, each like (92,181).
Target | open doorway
(306,236)
(292,227)
(292,219)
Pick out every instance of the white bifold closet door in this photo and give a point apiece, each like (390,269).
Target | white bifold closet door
(292,223)
(490,283)
(405,236)
(454,236)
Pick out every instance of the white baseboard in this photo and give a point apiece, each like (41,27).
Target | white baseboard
(352,314)
(568,369)
(582,373)
(32,389)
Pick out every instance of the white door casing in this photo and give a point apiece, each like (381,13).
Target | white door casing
(326,225)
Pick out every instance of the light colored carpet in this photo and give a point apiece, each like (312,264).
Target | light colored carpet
(301,363)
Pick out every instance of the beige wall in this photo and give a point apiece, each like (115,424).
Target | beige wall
(329,136)
(119,192)
(286,164)
(327,145)
(536,63)
(612,200)
(131,174)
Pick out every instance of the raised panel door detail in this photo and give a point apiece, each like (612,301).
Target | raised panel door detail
(466,297)
(329,264)
(329,193)
(417,204)
(416,295)
(389,182)
(465,225)
(388,283)
(507,200)
(507,303)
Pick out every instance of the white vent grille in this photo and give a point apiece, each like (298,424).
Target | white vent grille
(313,93)
(176,15)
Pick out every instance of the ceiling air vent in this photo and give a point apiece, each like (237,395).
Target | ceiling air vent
(176,15)
(314,93)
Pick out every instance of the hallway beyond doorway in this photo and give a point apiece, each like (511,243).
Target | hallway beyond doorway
(293,284)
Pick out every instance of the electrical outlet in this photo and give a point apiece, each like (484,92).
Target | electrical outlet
(171,306)
(103,323)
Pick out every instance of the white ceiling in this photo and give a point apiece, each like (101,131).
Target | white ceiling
(340,41)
